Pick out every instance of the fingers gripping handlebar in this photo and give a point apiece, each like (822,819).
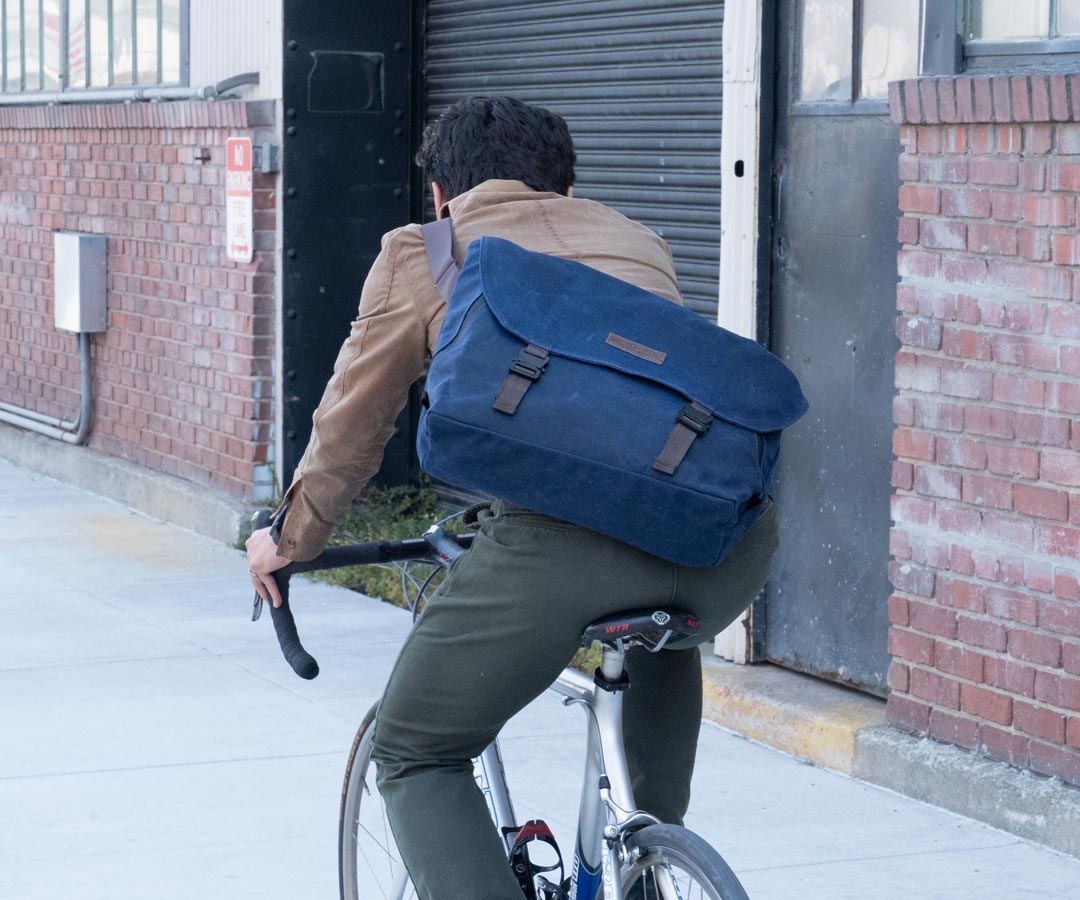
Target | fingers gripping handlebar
(302,662)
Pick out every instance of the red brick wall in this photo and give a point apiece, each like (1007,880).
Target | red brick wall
(985,614)
(182,376)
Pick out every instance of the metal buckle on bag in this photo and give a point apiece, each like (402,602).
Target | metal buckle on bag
(696,418)
(528,364)
(526,370)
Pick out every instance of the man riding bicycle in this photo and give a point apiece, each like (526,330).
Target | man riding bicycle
(511,611)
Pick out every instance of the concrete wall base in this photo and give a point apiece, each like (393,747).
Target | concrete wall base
(1041,809)
(841,729)
(158,495)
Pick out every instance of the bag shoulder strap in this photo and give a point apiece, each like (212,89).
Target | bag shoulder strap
(439,243)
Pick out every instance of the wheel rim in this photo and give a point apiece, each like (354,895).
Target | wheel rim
(370,864)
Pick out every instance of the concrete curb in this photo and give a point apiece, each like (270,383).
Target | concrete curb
(840,729)
(795,713)
(158,495)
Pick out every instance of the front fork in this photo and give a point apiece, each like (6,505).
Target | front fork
(613,849)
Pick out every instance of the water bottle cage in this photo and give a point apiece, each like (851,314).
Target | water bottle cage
(524,869)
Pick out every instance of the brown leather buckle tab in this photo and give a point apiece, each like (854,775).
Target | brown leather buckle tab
(692,422)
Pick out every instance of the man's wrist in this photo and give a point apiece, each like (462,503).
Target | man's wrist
(277,523)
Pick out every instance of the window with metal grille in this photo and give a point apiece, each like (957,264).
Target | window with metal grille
(62,45)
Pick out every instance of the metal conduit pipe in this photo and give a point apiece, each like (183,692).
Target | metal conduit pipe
(69,432)
(208,92)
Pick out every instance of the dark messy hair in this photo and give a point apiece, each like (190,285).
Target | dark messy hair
(497,137)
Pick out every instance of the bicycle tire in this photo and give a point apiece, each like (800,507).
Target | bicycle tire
(369,865)
(673,862)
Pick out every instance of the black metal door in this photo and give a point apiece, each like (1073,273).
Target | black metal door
(350,100)
(832,314)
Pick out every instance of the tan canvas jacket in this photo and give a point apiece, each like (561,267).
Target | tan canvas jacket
(398,323)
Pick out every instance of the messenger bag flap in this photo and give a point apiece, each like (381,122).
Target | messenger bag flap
(578,312)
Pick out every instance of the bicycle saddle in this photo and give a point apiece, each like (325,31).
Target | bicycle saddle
(654,627)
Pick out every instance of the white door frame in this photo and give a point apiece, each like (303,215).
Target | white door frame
(739,159)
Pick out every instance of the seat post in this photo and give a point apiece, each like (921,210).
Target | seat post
(607,707)
(613,661)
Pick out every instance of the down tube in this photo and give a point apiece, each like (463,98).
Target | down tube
(491,779)
(587,872)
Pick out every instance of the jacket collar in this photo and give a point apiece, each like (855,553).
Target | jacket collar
(495,190)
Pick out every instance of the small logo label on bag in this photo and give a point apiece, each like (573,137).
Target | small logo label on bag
(635,349)
(661,618)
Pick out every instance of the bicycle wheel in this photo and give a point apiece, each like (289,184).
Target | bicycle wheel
(369,866)
(676,864)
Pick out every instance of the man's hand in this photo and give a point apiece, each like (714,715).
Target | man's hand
(263,559)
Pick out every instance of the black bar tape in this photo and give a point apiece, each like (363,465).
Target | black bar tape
(302,662)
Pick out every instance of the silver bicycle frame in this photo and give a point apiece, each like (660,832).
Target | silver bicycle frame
(607,798)
(490,777)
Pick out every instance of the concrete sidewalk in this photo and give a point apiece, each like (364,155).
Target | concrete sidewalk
(154,745)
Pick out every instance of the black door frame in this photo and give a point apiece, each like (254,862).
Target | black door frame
(331,231)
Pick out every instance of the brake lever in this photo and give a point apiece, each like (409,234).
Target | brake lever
(261,518)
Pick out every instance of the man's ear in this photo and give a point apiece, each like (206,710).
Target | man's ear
(440,199)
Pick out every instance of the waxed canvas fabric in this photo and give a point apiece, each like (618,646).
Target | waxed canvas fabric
(581,445)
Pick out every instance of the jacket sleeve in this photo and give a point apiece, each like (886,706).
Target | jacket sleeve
(383,355)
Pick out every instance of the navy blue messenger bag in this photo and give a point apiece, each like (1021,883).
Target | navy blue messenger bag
(563,390)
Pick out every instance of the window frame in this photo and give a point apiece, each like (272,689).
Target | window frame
(856,105)
(982,54)
(28,94)
(1055,53)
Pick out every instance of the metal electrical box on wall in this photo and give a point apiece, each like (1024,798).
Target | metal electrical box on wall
(79,268)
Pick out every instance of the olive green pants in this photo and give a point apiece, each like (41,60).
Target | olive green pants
(494,636)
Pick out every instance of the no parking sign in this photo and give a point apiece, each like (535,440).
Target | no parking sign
(239,195)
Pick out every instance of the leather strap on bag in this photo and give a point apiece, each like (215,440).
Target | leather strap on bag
(530,362)
(439,243)
(524,372)
(692,422)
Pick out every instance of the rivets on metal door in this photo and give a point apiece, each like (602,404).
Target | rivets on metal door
(292,45)
(291,131)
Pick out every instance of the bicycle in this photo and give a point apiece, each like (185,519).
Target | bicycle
(621,852)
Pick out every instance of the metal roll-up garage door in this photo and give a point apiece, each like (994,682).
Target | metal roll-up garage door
(639,82)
